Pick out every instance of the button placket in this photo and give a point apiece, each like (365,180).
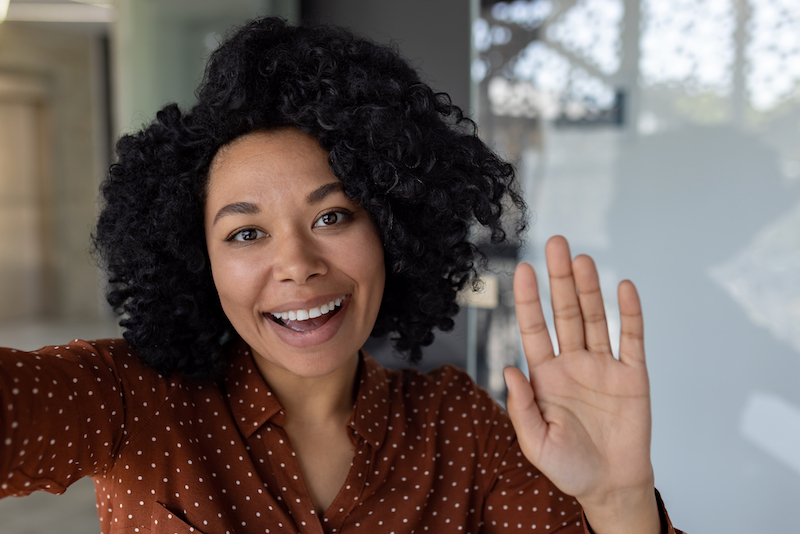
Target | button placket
(352,490)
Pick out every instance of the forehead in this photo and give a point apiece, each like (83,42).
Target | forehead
(285,147)
(267,160)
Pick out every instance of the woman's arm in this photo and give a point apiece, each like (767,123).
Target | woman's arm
(61,416)
(583,418)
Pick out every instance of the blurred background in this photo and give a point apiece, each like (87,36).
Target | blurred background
(663,138)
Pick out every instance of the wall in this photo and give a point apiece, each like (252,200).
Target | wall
(434,36)
(160,49)
(51,96)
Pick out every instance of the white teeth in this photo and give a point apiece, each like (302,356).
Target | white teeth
(304,315)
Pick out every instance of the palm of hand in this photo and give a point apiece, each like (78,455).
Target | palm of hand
(584,417)
(595,413)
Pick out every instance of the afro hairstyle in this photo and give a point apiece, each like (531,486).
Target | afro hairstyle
(409,156)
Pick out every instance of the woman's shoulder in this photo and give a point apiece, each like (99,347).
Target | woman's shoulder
(445,407)
(448,388)
(115,353)
(78,353)
(110,361)
(444,378)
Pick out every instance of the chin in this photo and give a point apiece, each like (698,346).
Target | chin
(309,364)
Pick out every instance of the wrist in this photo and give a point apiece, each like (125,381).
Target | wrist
(624,512)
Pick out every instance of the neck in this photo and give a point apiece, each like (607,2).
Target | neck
(317,400)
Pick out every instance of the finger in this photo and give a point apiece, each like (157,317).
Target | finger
(535,338)
(529,425)
(591,302)
(566,308)
(631,343)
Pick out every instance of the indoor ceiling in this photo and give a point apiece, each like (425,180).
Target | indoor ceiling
(102,12)
(61,11)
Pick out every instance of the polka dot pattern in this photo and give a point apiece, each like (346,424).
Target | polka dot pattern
(433,453)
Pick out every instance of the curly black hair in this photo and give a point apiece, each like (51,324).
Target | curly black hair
(409,156)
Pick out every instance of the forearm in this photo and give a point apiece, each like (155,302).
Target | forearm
(61,416)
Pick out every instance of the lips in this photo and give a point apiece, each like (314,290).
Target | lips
(307,320)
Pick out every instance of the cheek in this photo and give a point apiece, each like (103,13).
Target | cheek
(234,281)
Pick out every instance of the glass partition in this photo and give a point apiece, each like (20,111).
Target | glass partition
(663,138)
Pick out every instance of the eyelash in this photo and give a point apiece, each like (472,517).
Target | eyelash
(233,236)
(345,215)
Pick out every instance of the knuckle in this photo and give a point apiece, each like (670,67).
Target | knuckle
(527,301)
(532,329)
(591,291)
(568,312)
(595,318)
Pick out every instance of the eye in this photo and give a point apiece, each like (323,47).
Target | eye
(332,217)
(247,234)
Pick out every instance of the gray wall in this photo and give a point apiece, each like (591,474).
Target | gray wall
(434,36)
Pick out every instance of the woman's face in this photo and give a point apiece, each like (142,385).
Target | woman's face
(298,266)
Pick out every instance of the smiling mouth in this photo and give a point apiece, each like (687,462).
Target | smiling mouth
(307,320)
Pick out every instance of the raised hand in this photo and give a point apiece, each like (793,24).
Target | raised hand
(583,418)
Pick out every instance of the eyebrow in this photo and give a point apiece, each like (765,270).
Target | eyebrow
(321,192)
(237,208)
(248,208)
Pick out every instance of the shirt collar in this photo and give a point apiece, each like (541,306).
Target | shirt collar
(253,404)
(251,400)
(371,412)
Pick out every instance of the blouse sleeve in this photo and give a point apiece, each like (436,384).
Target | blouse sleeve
(62,415)
(666,524)
(521,498)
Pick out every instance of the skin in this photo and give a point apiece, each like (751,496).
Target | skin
(282,235)
(583,418)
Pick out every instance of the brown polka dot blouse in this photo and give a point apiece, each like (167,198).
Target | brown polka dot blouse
(433,453)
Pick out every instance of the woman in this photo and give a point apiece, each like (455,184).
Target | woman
(317,194)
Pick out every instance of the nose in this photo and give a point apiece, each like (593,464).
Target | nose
(297,259)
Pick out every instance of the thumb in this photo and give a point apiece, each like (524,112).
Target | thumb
(528,423)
